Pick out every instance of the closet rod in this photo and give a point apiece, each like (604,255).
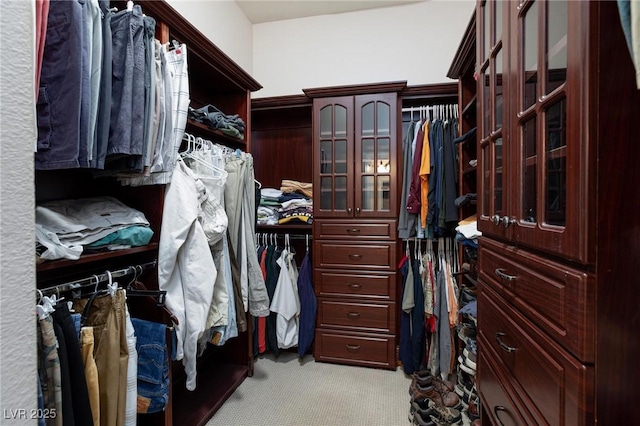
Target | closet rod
(98,278)
(282,234)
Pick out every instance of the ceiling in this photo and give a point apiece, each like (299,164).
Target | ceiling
(260,11)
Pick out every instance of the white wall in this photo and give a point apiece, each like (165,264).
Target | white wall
(224,23)
(414,42)
(17,238)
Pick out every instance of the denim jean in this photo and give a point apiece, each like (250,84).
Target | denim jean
(153,366)
(127,91)
(58,106)
(104,106)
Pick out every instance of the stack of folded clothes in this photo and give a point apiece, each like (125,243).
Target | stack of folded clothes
(296,210)
(269,206)
(229,124)
(67,228)
(295,187)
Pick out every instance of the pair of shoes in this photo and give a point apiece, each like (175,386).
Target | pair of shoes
(441,397)
(464,365)
(467,333)
(418,385)
(470,354)
(424,418)
(465,385)
(425,378)
(447,415)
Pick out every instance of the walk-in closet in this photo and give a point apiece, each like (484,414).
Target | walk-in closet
(319,213)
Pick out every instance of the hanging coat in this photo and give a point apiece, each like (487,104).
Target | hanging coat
(308,306)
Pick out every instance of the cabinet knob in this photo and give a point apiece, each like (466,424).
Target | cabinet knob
(349,210)
(353,314)
(353,231)
(499,336)
(355,256)
(495,219)
(353,347)
(355,286)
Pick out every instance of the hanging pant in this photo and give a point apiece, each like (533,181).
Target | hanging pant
(90,372)
(106,315)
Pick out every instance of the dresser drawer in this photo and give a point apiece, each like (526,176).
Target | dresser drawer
(497,395)
(380,286)
(368,350)
(335,254)
(555,297)
(554,386)
(355,230)
(368,317)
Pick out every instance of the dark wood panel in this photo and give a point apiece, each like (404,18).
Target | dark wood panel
(355,230)
(557,387)
(370,350)
(369,317)
(349,284)
(618,107)
(559,299)
(372,256)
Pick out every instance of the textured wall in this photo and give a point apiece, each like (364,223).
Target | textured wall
(17,243)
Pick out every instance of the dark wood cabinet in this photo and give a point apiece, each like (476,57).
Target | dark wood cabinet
(557,198)
(355,188)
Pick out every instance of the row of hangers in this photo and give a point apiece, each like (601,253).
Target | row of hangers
(265,239)
(433,112)
(195,144)
(90,287)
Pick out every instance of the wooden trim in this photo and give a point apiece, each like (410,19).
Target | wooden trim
(466,53)
(275,102)
(426,91)
(198,43)
(357,89)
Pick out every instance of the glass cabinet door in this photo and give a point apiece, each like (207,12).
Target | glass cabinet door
(375,141)
(494,143)
(543,213)
(333,174)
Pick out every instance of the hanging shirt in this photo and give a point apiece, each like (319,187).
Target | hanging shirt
(285,304)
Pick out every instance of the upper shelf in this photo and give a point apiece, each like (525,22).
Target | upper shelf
(205,132)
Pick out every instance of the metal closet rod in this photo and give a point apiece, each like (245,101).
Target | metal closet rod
(98,278)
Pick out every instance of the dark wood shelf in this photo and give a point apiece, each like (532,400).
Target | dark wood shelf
(300,227)
(205,132)
(469,170)
(216,382)
(470,107)
(95,257)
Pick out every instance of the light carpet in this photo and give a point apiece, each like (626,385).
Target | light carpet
(287,391)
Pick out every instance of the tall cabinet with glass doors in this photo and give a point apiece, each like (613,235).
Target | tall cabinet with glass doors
(556,94)
(355,196)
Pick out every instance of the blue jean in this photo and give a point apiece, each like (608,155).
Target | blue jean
(153,366)
(127,91)
(58,106)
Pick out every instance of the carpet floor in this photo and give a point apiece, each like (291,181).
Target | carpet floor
(287,391)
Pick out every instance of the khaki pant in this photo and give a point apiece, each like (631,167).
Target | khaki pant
(90,372)
(107,317)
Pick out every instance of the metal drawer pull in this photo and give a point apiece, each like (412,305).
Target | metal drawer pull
(355,286)
(353,347)
(353,314)
(497,409)
(355,256)
(353,231)
(500,272)
(499,337)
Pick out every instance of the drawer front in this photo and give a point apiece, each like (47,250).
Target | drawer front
(357,316)
(358,349)
(555,387)
(376,256)
(355,230)
(379,286)
(555,297)
(497,395)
